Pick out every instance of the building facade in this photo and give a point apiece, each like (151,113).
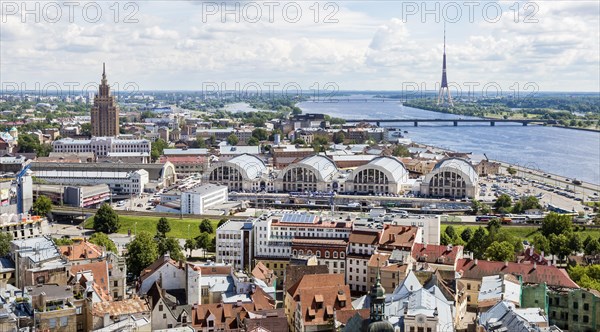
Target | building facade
(105,112)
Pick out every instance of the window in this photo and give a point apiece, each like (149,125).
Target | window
(586,319)
(164,316)
(160,307)
(116,283)
(52,323)
(326,254)
(575,318)
(575,305)
(468,286)
(586,306)
(342,254)
(64,321)
(335,254)
(78,310)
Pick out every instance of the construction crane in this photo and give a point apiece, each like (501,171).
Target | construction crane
(19,178)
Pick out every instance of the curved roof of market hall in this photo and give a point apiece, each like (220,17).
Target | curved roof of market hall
(323,167)
(391,166)
(457,165)
(251,166)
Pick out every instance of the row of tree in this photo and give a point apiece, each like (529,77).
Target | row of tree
(557,236)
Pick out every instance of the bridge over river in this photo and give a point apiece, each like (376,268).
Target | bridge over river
(416,122)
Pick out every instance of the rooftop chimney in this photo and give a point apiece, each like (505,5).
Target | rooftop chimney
(476,261)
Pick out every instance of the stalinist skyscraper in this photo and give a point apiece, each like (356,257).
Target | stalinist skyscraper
(105,112)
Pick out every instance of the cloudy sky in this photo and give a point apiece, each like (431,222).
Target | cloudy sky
(352,45)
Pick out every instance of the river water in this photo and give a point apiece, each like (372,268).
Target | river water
(567,152)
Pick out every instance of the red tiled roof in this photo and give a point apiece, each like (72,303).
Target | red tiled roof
(81,250)
(395,236)
(364,237)
(531,273)
(317,295)
(529,256)
(431,253)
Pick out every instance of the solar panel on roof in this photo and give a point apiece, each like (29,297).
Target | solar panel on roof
(298,218)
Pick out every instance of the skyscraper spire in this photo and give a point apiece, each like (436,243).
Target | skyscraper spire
(444,90)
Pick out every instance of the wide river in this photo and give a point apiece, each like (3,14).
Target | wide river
(567,152)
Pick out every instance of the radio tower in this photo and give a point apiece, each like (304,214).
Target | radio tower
(444,86)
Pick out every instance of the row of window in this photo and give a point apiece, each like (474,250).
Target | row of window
(318,253)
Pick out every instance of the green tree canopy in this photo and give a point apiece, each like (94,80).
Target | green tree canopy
(42,205)
(575,244)
(339,137)
(478,243)
(466,235)
(400,151)
(253,141)
(232,140)
(540,243)
(205,226)
(103,240)
(221,222)
(141,252)
(5,238)
(592,247)
(504,201)
(559,245)
(555,223)
(163,227)
(451,232)
(190,245)
(170,245)
(511,170)
(260,134)
(203,242)
(500,251)
(106,220)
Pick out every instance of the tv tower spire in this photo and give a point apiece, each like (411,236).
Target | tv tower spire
(444,90)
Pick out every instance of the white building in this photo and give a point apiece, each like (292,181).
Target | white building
(118,181)
(199,199)
(234,244)
(314,173)
(273,234)
(381,175)
(243,172)
(106,147)
(453,178)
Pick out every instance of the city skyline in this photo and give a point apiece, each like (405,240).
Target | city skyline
(369,48)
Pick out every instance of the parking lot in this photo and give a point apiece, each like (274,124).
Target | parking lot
(559,195)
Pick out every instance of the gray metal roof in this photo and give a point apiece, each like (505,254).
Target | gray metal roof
(456,164)
(252,166)
(394,168)
(321,165)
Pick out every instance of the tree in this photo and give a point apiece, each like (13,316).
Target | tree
(170,245)
(451,232)
(206,226)
(157,148)
(339,137)
(42,205)
(212,141)
(28,143)
(511,170)
(500,251)
(103,240)
(466,235)
(400,151)
(575,243)
(475,206)
(478,243)
(221,222)
(141,252)
(260,134)
(163,227)
(555,223)
(299,141)
(5,238)
(504,201)
(190,245)
(541,243)
(530,202)
(593,247)
(559,245)
(493,227)
(485,209)
(203,242)
(445,239)
(232,140)
(106,220)
(253,141)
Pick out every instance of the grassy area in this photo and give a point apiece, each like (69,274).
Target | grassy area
(179,227)
(525,233)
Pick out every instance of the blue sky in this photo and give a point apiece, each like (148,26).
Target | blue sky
(375,45)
